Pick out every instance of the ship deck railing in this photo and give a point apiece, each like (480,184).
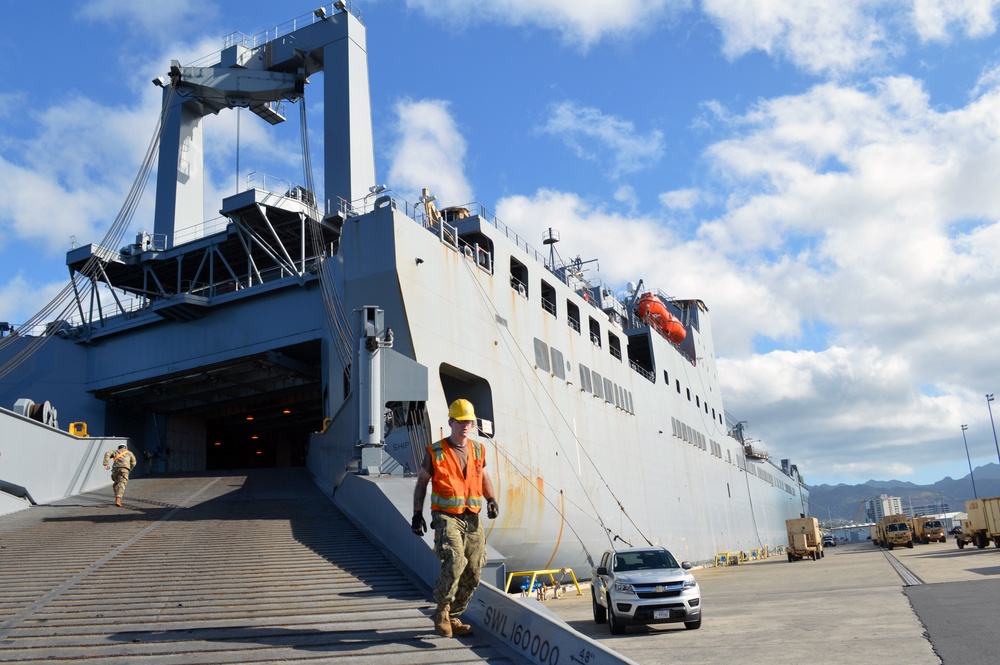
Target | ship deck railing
(262,38)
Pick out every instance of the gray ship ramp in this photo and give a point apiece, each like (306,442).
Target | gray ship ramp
(241,567)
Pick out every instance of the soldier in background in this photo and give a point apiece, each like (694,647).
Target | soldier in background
(457,467)
(121,462)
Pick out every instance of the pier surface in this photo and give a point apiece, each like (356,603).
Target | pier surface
(858,604)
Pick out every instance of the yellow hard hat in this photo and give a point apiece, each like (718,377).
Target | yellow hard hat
(461,409)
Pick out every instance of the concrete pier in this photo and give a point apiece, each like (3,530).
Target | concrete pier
(852,606)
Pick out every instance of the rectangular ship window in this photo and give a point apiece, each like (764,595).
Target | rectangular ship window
(548,298)
(541,355)
(585,379)
(598,385)
(558,364)
(572,316)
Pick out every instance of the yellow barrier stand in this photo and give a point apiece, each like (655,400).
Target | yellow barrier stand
(728,559)
(534,577)
(736,558)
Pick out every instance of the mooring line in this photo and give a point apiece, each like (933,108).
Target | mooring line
(7,627)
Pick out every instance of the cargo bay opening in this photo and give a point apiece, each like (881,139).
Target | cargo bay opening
(255,411)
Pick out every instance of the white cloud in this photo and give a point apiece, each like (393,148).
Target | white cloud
(836,410)
(20,299)
(627,195)
(582,23)
(681,199)
(859,233)
(816,35)
(595,136)
(932,18)
(74,174)
(429,152)
(870,214)
(149,18)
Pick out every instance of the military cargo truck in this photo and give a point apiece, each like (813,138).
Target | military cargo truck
(894,531)
(926,529)
(984,521)
(804,538)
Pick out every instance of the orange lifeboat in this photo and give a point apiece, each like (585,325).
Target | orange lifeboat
(652,310)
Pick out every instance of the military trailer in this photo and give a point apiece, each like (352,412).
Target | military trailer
(804,538)
(984,521)
(963,534)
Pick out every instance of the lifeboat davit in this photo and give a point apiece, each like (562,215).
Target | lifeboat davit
(652,310)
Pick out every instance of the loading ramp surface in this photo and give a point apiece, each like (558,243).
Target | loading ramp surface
(253,566)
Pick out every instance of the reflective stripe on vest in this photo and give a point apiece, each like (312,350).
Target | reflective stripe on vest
(451,491)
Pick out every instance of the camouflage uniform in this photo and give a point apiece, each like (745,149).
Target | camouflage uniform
(123,465)
(460,543)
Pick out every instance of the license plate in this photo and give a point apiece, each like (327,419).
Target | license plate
(661,614)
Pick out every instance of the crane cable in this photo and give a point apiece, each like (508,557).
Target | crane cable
(88,273)
(336,316)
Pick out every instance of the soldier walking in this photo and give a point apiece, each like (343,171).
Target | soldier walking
(457,467)
(121,462)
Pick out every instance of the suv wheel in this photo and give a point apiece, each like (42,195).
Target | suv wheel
(617,625)
(600,612)
(693,625)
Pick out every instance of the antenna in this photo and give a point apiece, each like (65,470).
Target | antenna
(550,237)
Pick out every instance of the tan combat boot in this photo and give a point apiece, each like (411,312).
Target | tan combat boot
(118,501)
(442,622)
(459,628)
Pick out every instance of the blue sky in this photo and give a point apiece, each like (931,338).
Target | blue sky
(822,174)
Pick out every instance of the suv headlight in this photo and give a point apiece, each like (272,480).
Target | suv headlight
(690,584)
(624,587)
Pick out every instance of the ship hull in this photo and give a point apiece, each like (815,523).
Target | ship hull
(576,470)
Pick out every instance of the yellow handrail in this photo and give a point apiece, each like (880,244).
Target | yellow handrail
(550,572)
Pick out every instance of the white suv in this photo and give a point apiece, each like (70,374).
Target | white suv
(644,585)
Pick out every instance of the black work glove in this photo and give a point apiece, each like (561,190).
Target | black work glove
(418,525)
(492,508)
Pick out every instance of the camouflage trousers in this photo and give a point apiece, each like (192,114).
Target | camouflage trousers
(119,476)
(460,543)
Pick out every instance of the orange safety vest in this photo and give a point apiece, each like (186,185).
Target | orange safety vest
(452,491)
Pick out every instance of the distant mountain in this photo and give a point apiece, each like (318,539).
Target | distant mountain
(842,503)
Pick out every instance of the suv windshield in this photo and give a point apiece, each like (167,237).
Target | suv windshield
(648,560)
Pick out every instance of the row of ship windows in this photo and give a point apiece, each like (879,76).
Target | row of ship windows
(519,282)
(592,382)
(552,360)
(687,433)
(697,399)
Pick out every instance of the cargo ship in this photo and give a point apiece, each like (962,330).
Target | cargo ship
(331,326)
